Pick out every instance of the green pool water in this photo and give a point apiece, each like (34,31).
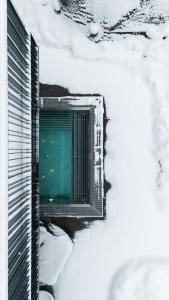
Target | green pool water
(55,157)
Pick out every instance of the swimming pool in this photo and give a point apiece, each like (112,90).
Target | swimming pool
(55,157)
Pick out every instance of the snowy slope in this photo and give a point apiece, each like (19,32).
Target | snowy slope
(126,255)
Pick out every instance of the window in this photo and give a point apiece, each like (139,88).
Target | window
(71,156)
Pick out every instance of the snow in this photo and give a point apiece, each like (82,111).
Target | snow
(56,6)
(36,16)
(162,6)
(148,281)
(45,296)
(127,255)
(94,28)
(54,252)
(44,2)
(134,227)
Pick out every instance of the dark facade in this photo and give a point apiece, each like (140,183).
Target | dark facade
(22,156)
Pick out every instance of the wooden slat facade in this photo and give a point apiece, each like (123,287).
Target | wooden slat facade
(22,196)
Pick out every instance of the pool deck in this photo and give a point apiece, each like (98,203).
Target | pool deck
(72,224)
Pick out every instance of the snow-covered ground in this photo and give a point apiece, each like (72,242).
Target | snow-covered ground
(125,257)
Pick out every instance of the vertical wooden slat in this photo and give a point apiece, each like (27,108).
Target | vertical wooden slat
(3,153)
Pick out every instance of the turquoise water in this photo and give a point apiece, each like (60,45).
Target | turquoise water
(55,157)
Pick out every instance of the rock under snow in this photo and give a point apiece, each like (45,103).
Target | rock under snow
(54,251)
(43,295)
(157,32)
(56,6)
(94,28)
